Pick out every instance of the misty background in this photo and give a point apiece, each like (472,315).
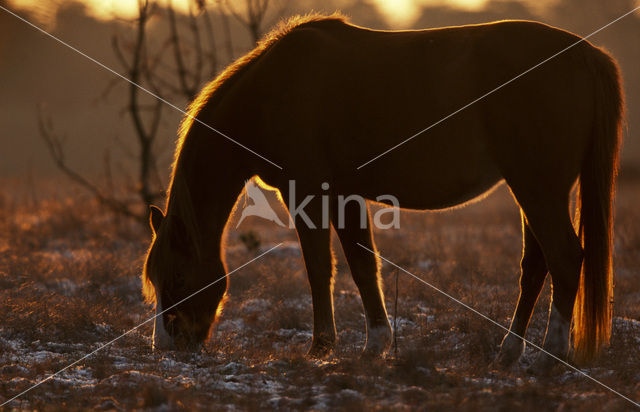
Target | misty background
(88,107)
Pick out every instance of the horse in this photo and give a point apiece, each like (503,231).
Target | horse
(321,97)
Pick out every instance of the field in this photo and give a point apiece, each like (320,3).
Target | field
(69,282)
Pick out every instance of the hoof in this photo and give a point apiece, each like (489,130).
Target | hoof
(506,360)
(511,350)
(319,350)
(379,341)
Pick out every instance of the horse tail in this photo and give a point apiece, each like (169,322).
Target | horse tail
(594,210)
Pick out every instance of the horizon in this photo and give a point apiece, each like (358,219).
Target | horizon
(396,12)
(73,88)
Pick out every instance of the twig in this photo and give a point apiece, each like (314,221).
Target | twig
(213,58)
(256,10)
(195,33)
(181,71)
(54,145)
(227,30)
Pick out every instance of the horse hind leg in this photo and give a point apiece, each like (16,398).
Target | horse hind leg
(365,270)
(533,274)
(552,227)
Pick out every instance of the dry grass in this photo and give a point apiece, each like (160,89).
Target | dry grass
(69,282)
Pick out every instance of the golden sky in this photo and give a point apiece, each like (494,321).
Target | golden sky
(404,12)
(101,9)
(397,12)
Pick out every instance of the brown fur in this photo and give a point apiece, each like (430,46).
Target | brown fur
(218,87)
(594,214)
(321,97)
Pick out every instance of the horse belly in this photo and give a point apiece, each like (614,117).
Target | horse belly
(443,188)
(441,169)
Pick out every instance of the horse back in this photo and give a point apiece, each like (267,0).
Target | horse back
(329,96)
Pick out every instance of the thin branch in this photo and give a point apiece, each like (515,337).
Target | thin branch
(151,64)
(234,13)
(256,11)
(107,90)
(213,58)
(226,29)
(134,74)
(54,145)
(155,119)
(157,72)
(195,33)
(182,73)
(115,45)
(157,106)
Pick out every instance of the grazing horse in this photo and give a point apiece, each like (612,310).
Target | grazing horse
(321,97)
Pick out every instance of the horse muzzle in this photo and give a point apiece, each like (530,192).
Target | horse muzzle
(161,339)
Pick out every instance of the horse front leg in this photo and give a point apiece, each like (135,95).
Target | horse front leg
(319,262)
(365,270)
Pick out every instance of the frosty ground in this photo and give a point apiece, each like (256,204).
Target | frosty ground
(69,279)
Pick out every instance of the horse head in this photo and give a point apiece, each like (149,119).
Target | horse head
(178,279)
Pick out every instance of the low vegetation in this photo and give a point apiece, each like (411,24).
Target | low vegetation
(69,282)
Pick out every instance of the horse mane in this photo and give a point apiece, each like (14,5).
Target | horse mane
(215,89)
(211,94)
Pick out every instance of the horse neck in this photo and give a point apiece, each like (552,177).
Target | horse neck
(203,198)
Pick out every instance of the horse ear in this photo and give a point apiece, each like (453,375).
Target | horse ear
(155,218)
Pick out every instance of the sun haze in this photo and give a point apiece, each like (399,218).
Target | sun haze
(99,9)
(396,12)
